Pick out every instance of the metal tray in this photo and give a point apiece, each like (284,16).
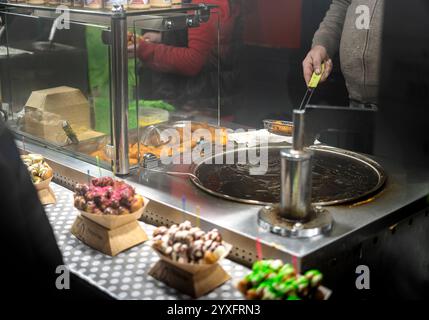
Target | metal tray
(279,127)
(339,176)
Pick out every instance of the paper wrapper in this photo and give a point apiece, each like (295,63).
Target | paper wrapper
(45,193)
(110,242)
(43,185)
(193,279)
(113,222)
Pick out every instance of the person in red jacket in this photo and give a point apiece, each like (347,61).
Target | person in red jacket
(202,41)
(191,59)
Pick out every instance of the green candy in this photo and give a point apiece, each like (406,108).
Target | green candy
(276,265)
(269,294)
(286,289)
(287,271)
(272,280)
(315,277)
(256,278)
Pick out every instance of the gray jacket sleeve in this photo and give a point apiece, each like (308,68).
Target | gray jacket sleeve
(330,30)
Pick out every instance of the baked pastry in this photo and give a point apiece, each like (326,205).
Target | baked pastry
(107,196)
(186,244)
(273,280)
(37,167)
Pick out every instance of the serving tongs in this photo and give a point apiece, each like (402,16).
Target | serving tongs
(312,85)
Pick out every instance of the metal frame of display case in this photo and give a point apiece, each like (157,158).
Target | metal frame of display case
(118,19)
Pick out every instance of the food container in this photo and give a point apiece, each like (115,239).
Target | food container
(113,222)
(279,127)
(110,234)
(54,2)
(139,4)
(67,3)
(161,3)
(93,4)
(78,3)
(195,280)
(43,184)
(45,193)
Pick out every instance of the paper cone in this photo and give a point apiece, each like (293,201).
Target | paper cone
(42,185)
(110,242)
(47,196)
(112,222)
(195,280)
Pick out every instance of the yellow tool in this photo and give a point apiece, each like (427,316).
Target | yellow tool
(312,85)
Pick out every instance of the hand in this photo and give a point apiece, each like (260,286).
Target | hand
(152,37)
(313,63)
(137,44)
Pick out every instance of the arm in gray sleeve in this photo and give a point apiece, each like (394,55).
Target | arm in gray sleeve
(331,28)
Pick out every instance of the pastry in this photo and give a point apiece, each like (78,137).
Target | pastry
(186,244)
(37,167)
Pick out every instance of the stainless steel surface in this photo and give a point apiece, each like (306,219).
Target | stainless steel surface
(119,91)
(107,12)
(353,223)
(298,130)
(319,221)
(296,175)
(306,99)
(295,216)
(149,161)
(165,22)
(98,17)
(350,176)
(295,184)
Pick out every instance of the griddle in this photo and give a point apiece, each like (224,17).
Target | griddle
(339,176)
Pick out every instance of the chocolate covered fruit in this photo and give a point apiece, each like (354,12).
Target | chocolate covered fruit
(107,196)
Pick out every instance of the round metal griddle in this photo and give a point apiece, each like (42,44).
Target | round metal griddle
(339,176)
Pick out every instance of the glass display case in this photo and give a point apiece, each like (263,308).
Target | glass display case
(89,82)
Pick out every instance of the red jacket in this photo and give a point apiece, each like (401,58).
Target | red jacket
(202,41)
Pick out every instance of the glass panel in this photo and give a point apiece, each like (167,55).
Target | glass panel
(177,77)
(56,84)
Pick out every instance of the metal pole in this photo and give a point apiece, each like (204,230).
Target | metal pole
(119,90)
(295,201)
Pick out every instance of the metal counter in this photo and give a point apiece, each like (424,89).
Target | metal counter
(337,255)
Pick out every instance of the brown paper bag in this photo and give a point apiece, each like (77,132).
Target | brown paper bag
(193,279)
(110,234)
(108,241)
